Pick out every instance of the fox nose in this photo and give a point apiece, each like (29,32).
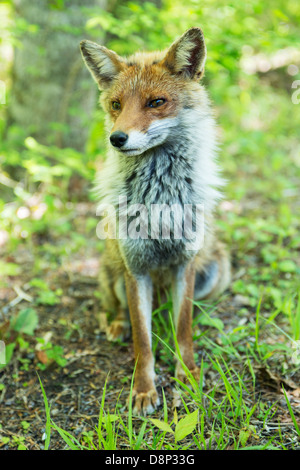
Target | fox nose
(118,139)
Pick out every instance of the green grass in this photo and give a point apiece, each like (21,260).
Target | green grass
(227,415)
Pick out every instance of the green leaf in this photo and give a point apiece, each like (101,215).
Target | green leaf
(186,426)
(110,419)
(244,435)
(9,349)
(48,298)
(162,425)
(287,266)
(5,439)
(9,269)
(39,283)
(25,425)
(26,321)
(211,321)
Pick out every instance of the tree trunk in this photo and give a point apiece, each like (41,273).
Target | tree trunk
(52,98)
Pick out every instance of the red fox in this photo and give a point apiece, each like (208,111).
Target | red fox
(161,154)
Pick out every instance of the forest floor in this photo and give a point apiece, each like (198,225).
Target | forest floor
(59,340)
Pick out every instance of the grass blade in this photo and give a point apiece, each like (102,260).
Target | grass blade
(48,419)
(291,412)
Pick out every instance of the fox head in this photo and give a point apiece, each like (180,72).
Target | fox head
(146,94)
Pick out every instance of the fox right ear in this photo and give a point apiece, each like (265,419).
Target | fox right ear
(187,55)
(103,63)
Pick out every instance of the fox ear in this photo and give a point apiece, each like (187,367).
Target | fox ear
(187,55)
(103,63)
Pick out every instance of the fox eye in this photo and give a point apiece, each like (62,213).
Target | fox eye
(156,103)
(116,105)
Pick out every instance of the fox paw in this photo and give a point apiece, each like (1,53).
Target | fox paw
(118,330)
(181,375)
(144,402)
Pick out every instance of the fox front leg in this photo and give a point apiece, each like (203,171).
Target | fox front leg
(182,291)
(139,295)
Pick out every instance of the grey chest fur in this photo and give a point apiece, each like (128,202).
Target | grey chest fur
(156,180)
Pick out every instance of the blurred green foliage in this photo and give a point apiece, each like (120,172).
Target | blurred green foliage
(249,74)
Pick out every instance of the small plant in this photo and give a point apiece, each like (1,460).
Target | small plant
(45,295)
(22,327)
(48,352)
(24,323)
(182,427)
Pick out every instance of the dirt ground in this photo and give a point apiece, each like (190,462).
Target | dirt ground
(74,389)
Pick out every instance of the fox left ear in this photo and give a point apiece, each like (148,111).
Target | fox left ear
(187,55)
(103,63)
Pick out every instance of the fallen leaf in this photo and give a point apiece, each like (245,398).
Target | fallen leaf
(274,380)
(42,357)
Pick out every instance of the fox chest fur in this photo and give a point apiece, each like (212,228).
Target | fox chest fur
(159,187)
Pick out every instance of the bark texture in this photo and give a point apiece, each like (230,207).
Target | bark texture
(52,95)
